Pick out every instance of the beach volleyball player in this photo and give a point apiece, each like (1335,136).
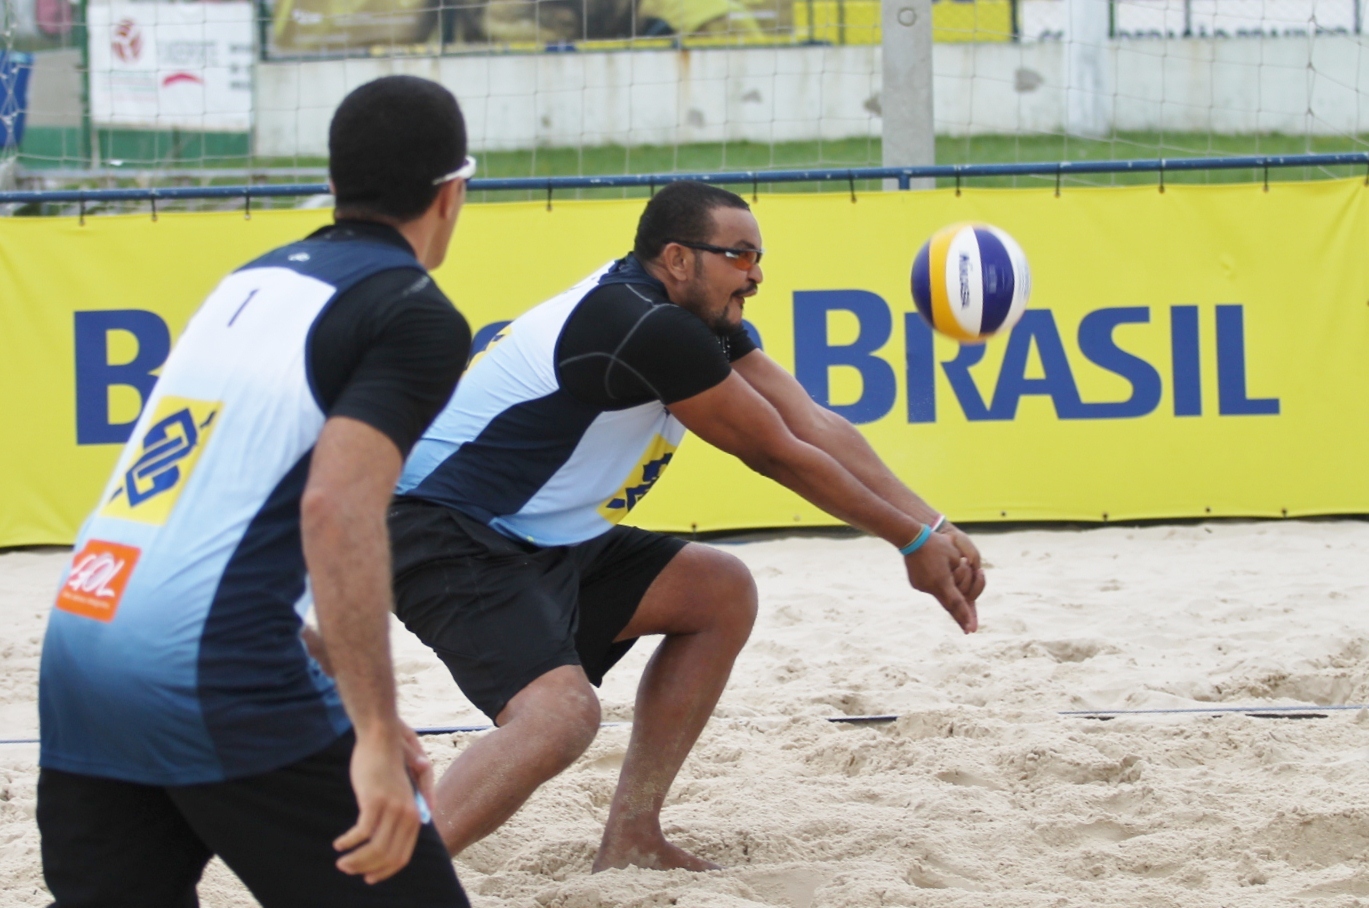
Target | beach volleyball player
(508,556)
(181,715)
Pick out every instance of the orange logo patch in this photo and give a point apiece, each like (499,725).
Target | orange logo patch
(98,576)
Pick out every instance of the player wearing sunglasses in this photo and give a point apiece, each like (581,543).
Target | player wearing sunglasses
(511,563)
(181,716)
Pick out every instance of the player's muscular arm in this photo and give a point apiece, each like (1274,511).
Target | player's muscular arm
(824,429)
(734,417)
(351,477)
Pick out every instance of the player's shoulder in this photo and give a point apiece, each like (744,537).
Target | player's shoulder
(639,313)
(625,297)
(401,303)
(399,290)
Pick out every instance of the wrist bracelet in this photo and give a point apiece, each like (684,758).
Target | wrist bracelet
(917,543)
(940,522)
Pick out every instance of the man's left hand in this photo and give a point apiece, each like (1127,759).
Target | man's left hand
(969,575)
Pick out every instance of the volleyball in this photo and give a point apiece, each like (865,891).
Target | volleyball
(971,281)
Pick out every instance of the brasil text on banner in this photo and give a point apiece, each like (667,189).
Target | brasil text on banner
(1189,353)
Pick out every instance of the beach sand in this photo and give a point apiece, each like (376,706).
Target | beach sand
(981,793)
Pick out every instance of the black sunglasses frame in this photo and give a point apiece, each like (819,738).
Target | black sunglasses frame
(731,253)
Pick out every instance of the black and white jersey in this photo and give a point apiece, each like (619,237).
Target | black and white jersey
(561,425)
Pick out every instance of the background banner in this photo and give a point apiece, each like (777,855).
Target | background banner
(172,65)
(1197,352)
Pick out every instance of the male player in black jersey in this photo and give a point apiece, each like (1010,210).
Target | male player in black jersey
(181,715)
(508,556)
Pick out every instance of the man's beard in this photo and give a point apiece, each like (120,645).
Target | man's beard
(696,301)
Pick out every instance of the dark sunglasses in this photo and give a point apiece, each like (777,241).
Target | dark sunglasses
(741,259)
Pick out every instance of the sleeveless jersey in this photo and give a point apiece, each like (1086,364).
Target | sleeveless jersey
(516,451)
(173,655)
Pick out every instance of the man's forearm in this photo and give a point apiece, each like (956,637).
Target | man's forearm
(828,432)
(845,444)
(822,480)
(347,550)
(348,557)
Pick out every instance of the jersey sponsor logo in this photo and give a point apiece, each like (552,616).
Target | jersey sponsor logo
(499,336)
(99,573)
(640,480)
(150,487)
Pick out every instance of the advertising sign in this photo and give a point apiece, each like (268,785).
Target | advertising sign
(1192,353)
(171,65)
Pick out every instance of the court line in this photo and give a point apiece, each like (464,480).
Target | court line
(1308,711)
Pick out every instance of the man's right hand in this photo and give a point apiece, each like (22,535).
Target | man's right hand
(939,569)
(382,841)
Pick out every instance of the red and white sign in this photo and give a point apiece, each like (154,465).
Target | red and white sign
(128,41)
(95,585)
(171,65)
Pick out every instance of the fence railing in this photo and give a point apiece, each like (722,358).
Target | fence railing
(901,176)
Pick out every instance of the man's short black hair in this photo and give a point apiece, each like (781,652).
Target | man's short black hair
(387,143)
(681,212)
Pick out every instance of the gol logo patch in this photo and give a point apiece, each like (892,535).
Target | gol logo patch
(151,485)
(99,573)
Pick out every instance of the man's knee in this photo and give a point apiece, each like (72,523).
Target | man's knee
(561,709)
(732,598)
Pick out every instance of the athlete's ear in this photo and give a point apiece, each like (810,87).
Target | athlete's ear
(675,260)
(450,197)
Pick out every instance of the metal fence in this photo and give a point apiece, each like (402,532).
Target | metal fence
(901,177)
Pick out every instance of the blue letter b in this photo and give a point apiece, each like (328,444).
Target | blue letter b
(813,356)
(95,375)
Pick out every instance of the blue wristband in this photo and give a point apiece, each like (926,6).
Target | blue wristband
(918,542)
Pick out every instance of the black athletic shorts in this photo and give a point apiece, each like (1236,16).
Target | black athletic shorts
(112,844)
(502,613)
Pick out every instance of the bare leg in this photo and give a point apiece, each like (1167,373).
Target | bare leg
(541,731)
(705,604)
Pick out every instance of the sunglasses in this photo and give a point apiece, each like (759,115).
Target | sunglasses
(741,259)
(464,172)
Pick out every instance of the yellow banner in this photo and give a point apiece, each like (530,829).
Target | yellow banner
(1197,352)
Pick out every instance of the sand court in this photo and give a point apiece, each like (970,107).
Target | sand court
(981,794)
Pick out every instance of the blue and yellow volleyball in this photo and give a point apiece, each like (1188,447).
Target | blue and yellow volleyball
(971,281)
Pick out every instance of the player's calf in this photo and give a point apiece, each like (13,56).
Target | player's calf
(556,718)
(542,730)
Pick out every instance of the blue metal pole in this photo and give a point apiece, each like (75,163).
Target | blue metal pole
(903,175)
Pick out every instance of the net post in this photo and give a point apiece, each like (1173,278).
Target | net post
(1086,69)
(909,131)
(80,33)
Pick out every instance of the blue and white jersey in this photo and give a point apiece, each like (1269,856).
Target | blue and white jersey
(560,426)
(173,654)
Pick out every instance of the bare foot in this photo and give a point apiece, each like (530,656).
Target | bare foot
(653,855)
